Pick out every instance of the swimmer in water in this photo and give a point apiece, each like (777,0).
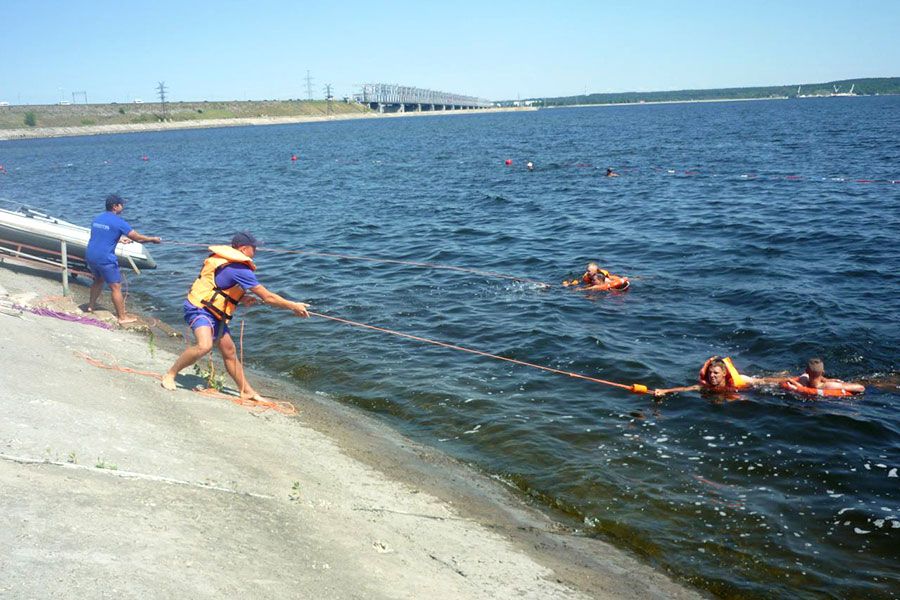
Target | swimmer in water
(610,172)
(529,165)
(814,377)
(593,276)
(720,375)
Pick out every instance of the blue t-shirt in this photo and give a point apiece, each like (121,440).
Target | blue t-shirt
(106,229)
(234,274)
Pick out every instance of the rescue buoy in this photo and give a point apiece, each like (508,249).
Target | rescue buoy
(794,385)
(615,284)
(507,162)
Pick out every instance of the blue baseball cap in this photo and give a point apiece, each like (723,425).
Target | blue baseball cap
(244,238)
(113,200)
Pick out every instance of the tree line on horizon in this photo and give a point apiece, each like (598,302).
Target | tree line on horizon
(862,87)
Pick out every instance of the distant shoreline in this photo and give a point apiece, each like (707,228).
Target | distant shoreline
(52,132)
(649,102)
(866,86)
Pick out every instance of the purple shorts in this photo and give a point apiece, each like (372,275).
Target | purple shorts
(200,317)
(109,272)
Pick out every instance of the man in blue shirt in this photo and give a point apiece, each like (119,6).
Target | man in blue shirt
(107,230)
(225,278)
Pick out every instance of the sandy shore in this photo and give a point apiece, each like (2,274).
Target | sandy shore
(113,487)
(47,132)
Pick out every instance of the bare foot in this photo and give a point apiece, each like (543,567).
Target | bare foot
(127,319)
(168,382)
(252,395)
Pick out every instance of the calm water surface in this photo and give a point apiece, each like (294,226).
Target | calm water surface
(751,237)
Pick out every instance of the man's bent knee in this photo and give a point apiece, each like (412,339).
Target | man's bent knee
(227,348)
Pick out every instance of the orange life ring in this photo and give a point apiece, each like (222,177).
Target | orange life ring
(615,283)
(793,385)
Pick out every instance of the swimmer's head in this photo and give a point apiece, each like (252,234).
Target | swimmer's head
(593,268)
(815,367)
(717,373)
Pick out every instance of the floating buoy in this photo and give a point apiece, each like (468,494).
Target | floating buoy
(145,157)
(508,162)
(293,157)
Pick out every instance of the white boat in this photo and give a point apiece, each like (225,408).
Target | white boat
(32,233)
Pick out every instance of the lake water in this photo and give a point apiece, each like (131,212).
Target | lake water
(746,223)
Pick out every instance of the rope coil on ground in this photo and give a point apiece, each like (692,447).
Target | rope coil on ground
(281,406)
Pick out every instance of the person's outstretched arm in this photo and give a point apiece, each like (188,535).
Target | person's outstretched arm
(659,393)
(137,237)
(273,299)
(837,384)
(764,380)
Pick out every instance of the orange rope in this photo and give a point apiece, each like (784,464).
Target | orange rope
(635,387)
(281,406)
(385,260)
(241,360)
(101,365)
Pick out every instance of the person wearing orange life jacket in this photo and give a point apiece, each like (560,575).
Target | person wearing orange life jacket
(595,275)
(721,376)
(597,279)
(226,276)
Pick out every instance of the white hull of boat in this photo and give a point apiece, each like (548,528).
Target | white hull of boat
(41,231)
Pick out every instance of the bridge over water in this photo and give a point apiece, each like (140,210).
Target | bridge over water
(386,97)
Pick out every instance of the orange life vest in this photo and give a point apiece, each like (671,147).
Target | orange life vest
(204,292)
(734,380)
(588,279)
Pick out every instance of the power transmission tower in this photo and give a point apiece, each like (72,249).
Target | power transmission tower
(161,90)
(329,97)
(309,81)
(79,95)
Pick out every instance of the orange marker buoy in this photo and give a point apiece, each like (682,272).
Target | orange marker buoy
(508,162)
(293,157)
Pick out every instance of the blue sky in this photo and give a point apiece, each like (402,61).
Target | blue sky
(118,51)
